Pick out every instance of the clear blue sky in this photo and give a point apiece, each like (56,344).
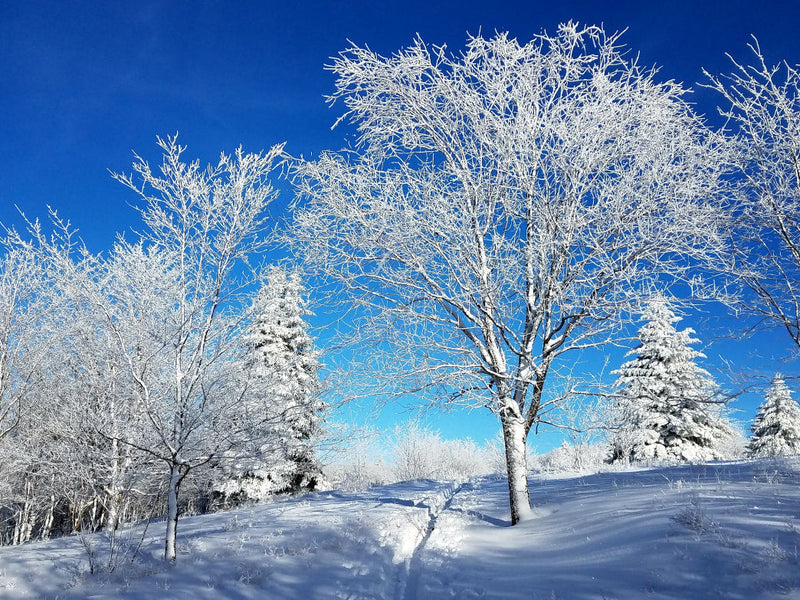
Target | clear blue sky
(84,83)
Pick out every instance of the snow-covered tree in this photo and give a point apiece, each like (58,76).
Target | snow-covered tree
(27,302)
(282,351)
(281,360)
(762,110)
(97,471)
(202,226)
(667,405)
(170,305)
(29,330)
(776,430)
(501,208)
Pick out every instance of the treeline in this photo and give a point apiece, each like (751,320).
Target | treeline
(173,373)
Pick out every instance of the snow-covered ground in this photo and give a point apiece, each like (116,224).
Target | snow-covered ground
(723,530)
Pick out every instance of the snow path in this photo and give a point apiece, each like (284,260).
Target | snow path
(408,586)
(330,545)
(723,530)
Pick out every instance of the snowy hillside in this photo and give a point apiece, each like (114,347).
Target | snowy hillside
(723,530)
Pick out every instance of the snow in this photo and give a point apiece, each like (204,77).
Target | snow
(718,530)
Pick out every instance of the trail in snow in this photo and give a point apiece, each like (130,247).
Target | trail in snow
(409,584)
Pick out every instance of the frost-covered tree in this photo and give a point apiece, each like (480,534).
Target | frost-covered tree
(501,208)
(171,306)
(280,356)
(27,303)
(102,476)
(776,430)
(202,226)
(283,352)
(29,328)
(762,108)
(667,405)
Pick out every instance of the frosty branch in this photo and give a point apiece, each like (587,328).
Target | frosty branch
(762,105)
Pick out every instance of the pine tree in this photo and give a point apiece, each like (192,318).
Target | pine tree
(665,404)
(282,353)
(776,430)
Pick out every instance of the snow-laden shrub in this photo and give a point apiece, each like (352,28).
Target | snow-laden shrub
(354,459)
(253,486)
(418,453)
(357,475)
(409,452)
(573,457)
(734,446)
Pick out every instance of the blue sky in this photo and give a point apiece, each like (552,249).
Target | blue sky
(82,84)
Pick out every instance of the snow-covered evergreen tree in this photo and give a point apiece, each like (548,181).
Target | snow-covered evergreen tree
(282,362)
(666,402)
(776,430)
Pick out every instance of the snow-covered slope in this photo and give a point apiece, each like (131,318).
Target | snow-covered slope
(723,530)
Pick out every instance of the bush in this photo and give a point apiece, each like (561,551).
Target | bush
(418,453)
(410,452)
(570,458)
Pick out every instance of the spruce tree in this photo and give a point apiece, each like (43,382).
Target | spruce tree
(666,403)
(282,352)
(280,362)
(776,430)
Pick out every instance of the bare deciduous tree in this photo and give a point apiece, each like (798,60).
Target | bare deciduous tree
(203,226)
(168,316)
(502,208)
(763,108)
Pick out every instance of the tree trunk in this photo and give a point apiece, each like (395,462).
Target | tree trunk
(47,525)
(115,491)
(120,455)
(112,511)
(23,530)
(514,439)
(175,478)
